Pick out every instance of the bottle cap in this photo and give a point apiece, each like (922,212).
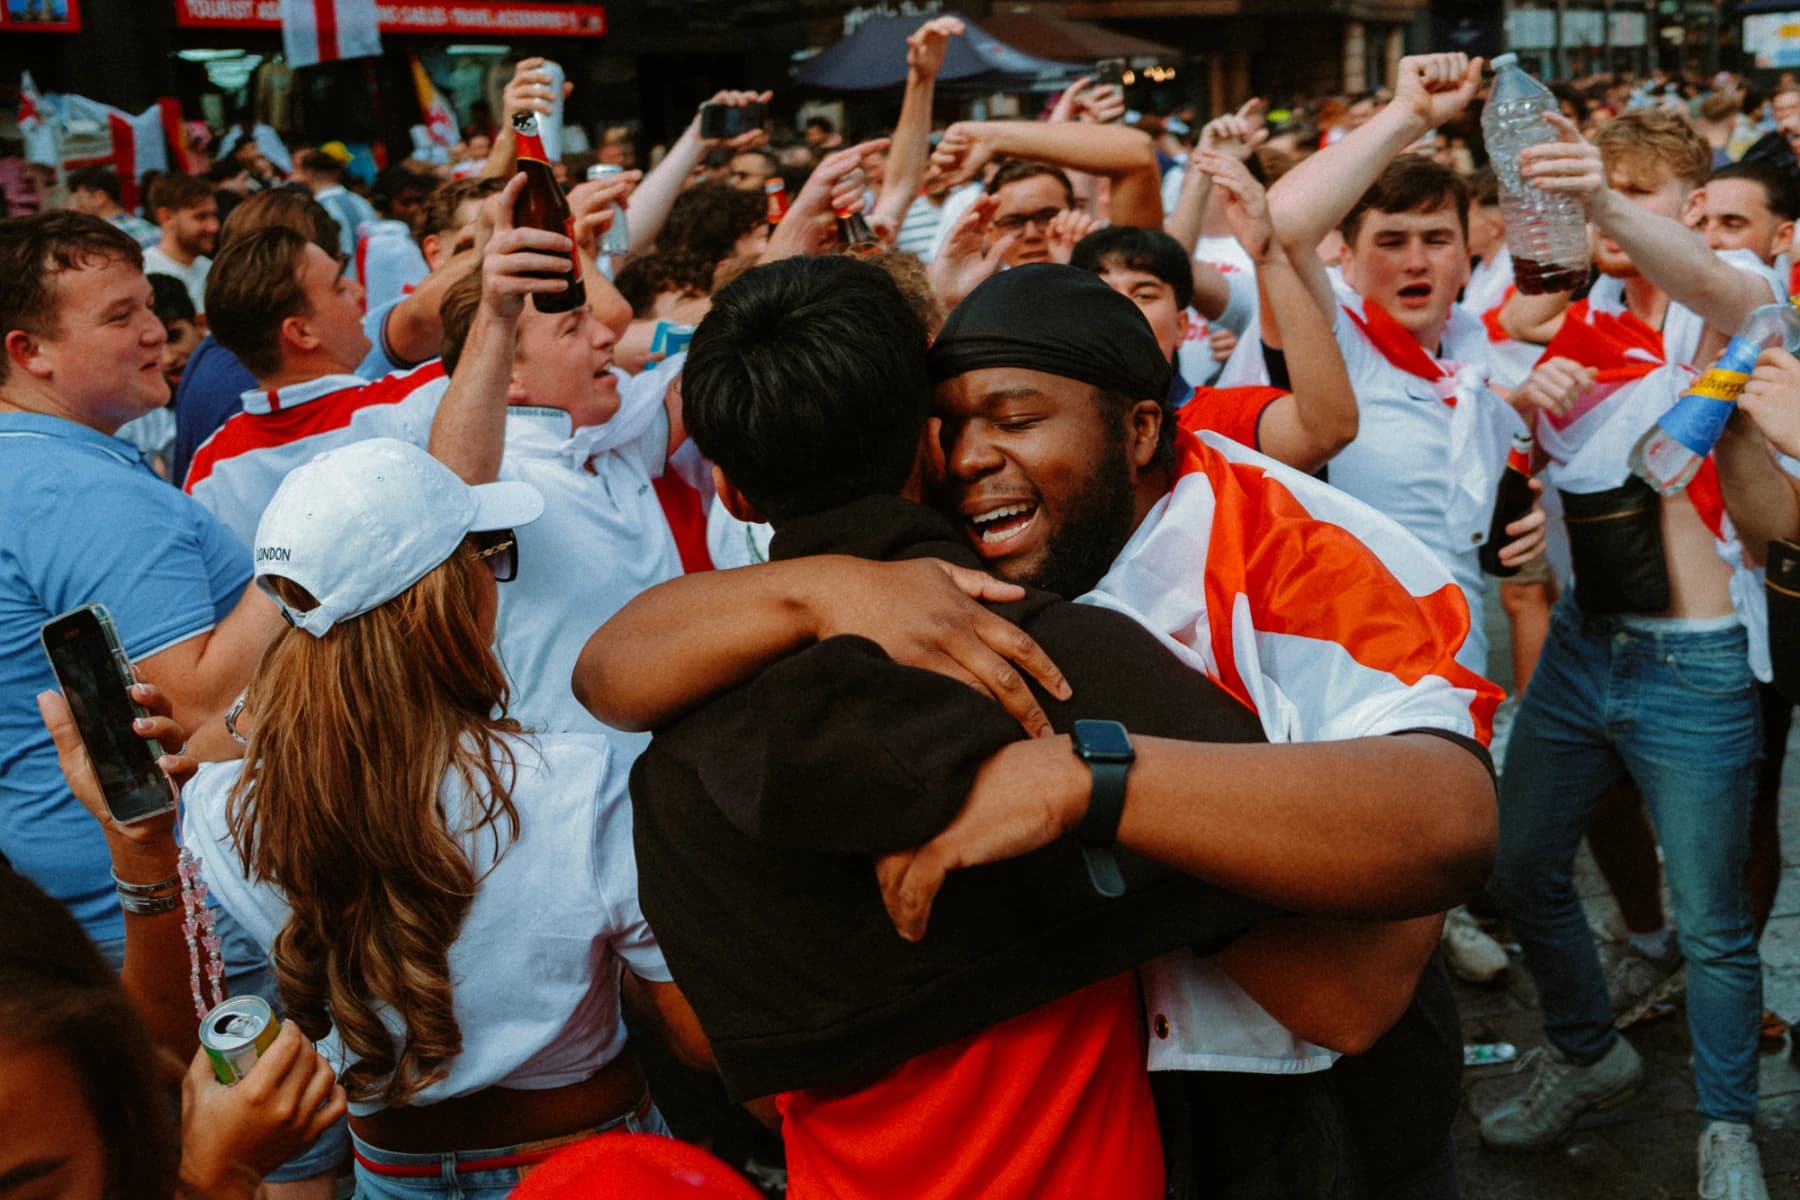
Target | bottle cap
(1503,60)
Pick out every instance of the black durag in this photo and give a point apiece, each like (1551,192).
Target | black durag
(1056,319)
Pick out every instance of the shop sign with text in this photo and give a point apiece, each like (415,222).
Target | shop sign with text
(465,18)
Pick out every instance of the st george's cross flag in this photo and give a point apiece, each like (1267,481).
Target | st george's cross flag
(1320,614)
(316,31)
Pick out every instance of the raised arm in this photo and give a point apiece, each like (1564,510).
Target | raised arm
(911,142)
(1534,319)
(1314,197)
(1318,417)
(655,196)
(1763,499)
(527,91)
(1123,155)
(835,186)
(591,206)
(1668,253)
(1235,135)
(468,434)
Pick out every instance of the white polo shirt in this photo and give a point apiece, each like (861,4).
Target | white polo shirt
(603,538)
(535,966)
(235,472)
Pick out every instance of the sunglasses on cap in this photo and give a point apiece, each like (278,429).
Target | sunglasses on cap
(499,548)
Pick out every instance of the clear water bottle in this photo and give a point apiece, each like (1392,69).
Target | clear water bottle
(1546,232)
(1668,456)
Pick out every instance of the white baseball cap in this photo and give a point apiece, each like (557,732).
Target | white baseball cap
(360,524)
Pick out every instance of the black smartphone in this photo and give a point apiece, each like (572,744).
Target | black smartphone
(95,677)
(1110,70)
(730,120)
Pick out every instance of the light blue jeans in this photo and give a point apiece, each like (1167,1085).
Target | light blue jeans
(1677,712)
(446,1177)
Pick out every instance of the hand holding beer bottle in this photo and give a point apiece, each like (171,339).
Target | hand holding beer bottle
(832,199)
(533,248)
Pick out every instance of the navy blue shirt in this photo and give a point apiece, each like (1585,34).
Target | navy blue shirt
(84,519)
(211,392)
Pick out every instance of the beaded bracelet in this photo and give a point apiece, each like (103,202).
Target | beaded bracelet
(199,930)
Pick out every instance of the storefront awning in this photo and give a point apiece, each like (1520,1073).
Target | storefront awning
(873,56)
(1076,41)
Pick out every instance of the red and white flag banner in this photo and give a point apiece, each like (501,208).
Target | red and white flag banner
(316,31)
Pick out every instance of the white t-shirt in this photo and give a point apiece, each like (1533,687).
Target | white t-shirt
(192,276)
(734,543)
(1194,356)
(388,262)
(1430,465)
(1488,286)
(535,967)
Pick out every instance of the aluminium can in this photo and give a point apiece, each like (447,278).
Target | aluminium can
(236,1033)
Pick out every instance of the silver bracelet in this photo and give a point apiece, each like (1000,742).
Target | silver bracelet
(165,887)
(149,906)
(231,716)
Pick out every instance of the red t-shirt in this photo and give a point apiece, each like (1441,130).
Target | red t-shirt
(1233,412)
(1052,1103)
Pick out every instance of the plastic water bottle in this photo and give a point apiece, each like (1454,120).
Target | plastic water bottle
(1546,232)
(1668,456)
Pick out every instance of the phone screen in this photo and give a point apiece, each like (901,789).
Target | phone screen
(81,655)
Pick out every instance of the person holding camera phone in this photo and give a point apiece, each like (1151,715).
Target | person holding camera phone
(72,1031)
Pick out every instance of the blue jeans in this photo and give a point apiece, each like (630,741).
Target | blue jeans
(1677,713)
(446,1182)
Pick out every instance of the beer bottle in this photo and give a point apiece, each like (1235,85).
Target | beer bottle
(854,232)
(542,205)
(775,195)
(1512,500)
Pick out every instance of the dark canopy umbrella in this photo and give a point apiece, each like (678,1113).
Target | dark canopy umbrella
(874,56)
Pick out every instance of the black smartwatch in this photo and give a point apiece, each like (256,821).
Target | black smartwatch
(1106,748)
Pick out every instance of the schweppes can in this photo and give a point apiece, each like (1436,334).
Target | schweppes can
(236,1033)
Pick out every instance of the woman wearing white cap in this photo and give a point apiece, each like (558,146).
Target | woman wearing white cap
(446,901)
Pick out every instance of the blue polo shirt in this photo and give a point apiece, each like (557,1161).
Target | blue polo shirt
(83,519)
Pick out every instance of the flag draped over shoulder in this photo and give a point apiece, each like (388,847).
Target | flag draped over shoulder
(1321,614)
(316,31)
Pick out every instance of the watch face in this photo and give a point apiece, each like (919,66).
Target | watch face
(1103,740)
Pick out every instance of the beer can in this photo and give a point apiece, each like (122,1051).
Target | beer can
(236,1033)
(550,124)
(617,238)
(671,338)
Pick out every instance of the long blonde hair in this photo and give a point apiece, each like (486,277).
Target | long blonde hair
(338,806)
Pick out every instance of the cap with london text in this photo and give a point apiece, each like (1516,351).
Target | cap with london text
(361,523)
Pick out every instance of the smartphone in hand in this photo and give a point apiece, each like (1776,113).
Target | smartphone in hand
(1110,70)
(730,120)
(95,677)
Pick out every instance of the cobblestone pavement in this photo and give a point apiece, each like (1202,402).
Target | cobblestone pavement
(1644,1148)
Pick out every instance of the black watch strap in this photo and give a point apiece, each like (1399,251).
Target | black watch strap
(1099,827)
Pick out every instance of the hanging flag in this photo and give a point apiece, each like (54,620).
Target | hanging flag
(99,134)
(37,125)
(440,122)
(316,31)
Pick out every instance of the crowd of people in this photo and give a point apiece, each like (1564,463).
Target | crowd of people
(1003,711)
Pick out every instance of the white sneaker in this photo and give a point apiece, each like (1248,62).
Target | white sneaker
(1470,953)
(1730,1168)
